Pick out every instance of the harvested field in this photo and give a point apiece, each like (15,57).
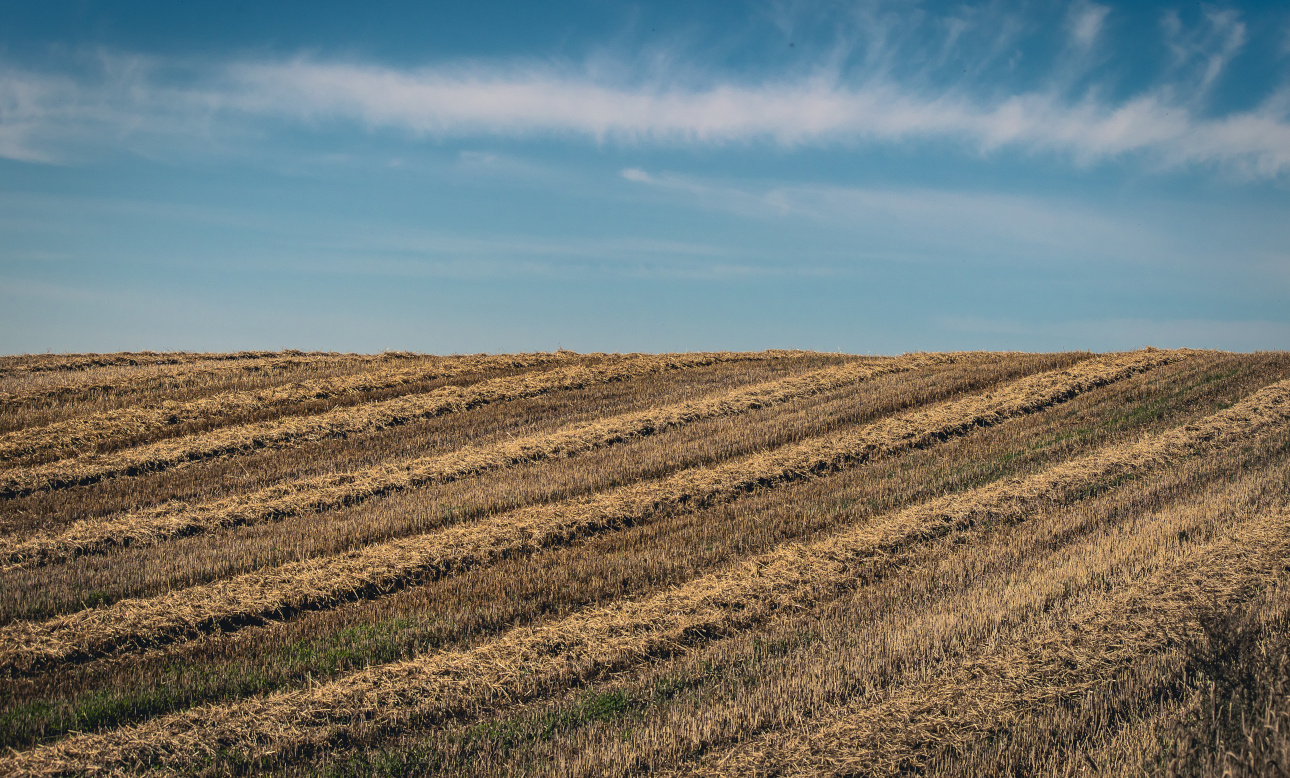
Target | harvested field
(338,423)
(45,363)
(319,494)
(136,424)
(781,563)
(73,390)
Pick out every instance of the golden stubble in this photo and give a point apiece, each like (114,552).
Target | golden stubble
(377,569)
(794,577)
(338,423)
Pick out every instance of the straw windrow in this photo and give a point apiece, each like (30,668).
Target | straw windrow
(46,363)
(342,422)
(147,380)
(141,528)
(602,640)
(374,570)
(85,433)
(995,689)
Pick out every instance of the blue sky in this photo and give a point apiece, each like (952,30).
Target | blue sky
(874,177)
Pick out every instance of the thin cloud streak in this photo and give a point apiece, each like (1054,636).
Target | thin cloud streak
(1211,47)
(1085,23)
(30,105)
(43,118)
(813,111)
(918,224)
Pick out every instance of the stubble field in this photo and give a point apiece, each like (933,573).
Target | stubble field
(771,563)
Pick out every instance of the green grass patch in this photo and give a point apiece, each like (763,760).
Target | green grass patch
(349,649)
(182,686)
(31,723)
(1157,408)
(510,738)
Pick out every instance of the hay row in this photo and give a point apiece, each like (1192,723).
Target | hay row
(342,422)
(997,688)
(81,388)
(46,363)
(377,569)
(85,433)
(322,493)
(531,661)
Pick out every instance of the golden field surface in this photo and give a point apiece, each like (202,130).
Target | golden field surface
(770,563)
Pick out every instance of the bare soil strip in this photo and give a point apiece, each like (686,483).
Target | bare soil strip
(374,570)
(314,495)
(597,641)
(996,689)
(341,422)
(77,435)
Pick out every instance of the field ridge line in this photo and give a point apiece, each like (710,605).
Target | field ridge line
(377,569)
(43,363)
(312,495)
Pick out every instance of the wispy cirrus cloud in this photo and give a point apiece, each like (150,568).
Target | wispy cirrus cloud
(47,117)
(30,104)
(815,110)
(1085,22)
(900,224)
(112,101)
(1207,49)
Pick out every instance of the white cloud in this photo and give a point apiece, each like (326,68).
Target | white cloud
(29,105)
(1085,23)
(915,224)
(44,118)
(120,102)
(1207,49)
(812,111)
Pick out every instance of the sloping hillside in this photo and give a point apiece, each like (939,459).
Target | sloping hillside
(773,563)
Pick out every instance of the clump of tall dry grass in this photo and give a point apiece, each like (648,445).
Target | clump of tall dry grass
(342,422)
(335,490)
(324,582)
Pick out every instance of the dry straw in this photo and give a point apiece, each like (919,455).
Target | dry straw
(46,363)
(533,660)
(310,495)
(79,387)
(374,570)
(97,429)
(342,422)
(84,434)
(996,689)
